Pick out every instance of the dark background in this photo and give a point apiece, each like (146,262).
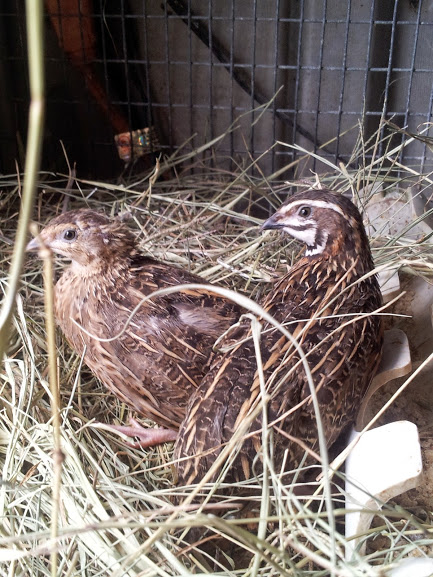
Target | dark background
(192,67)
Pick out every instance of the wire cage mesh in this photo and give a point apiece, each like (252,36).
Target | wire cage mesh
(189,68)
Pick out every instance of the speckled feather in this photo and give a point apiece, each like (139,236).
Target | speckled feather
(343,351)
(159,360)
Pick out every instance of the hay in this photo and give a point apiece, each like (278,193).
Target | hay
(116,512)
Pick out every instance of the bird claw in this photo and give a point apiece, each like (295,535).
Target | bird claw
(148,437)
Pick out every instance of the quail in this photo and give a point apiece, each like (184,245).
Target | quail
(327,301)
(156,362)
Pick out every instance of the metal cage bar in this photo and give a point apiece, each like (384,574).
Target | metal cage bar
(190,68)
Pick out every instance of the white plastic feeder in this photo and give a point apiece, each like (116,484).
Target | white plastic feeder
(383,464)
(415,567)
(385,461)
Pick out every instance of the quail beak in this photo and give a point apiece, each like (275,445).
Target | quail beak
(33,245)
(272,223)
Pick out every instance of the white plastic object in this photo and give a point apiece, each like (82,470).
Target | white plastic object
(416,567)
(395,362)
(383,464)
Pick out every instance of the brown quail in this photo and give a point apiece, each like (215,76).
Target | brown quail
(327,301)
(158,361)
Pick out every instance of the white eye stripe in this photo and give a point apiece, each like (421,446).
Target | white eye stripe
(315,203)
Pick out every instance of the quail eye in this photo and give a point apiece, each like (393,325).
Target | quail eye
(69,234)
(304,211)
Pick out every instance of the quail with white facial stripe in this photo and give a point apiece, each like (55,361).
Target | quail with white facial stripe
(328,302)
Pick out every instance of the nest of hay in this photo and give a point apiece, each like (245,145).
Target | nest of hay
(116,513)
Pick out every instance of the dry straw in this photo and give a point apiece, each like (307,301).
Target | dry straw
(115,504)
(116,515)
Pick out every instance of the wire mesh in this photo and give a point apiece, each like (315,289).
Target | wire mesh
(190,68)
